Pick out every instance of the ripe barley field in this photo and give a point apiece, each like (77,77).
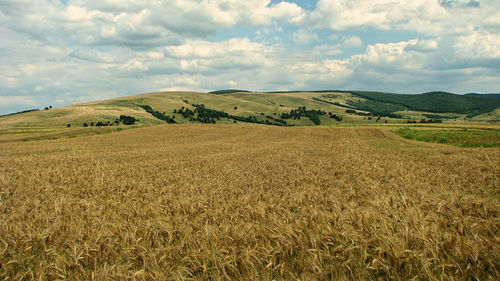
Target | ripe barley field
(213,202)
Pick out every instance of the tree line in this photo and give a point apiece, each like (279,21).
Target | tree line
(158,114)
(313,115)
(200,113)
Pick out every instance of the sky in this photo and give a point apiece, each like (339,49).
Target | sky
(60,52)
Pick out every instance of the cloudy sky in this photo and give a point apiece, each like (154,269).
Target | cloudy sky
(58,52)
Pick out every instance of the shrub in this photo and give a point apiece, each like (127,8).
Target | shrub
(303,111)
(127,120)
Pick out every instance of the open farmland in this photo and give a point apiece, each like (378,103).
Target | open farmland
(248,202)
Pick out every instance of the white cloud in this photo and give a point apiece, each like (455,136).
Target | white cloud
(286,12)
(17,100)
(228,54)
(352,41)
(134,66)
(391,58)
(112,6)
(478,45)
(303,36)
(75,13)
(139,23)
(424,16)
(328,68)
(191,17)
(422,45)
(90,49)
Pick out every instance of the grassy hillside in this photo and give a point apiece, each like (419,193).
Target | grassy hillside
(216,202)
(241,104)
(327,108)
(437,102)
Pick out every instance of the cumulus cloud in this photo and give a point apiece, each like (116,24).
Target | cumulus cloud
(113,6)
(325,73)
(304,36)
(78,50)
(236,53)
(352,41)
(422,45)
(287,12)
(424,16)
(191,17)
(17,100)
(146,23)
(204,49)
(478,45)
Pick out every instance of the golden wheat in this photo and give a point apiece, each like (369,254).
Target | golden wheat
(249,203)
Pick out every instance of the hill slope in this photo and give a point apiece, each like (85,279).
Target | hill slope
(484,95)
(436,102)
(272,108)
(237,105)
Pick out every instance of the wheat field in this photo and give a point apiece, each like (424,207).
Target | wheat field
(213,202)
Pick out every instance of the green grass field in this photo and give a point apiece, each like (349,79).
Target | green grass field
(459,137)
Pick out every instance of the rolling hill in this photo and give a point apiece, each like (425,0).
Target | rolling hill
(436,102)
(484,95)
(237,106)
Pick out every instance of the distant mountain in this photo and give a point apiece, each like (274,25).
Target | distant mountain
(484,95)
